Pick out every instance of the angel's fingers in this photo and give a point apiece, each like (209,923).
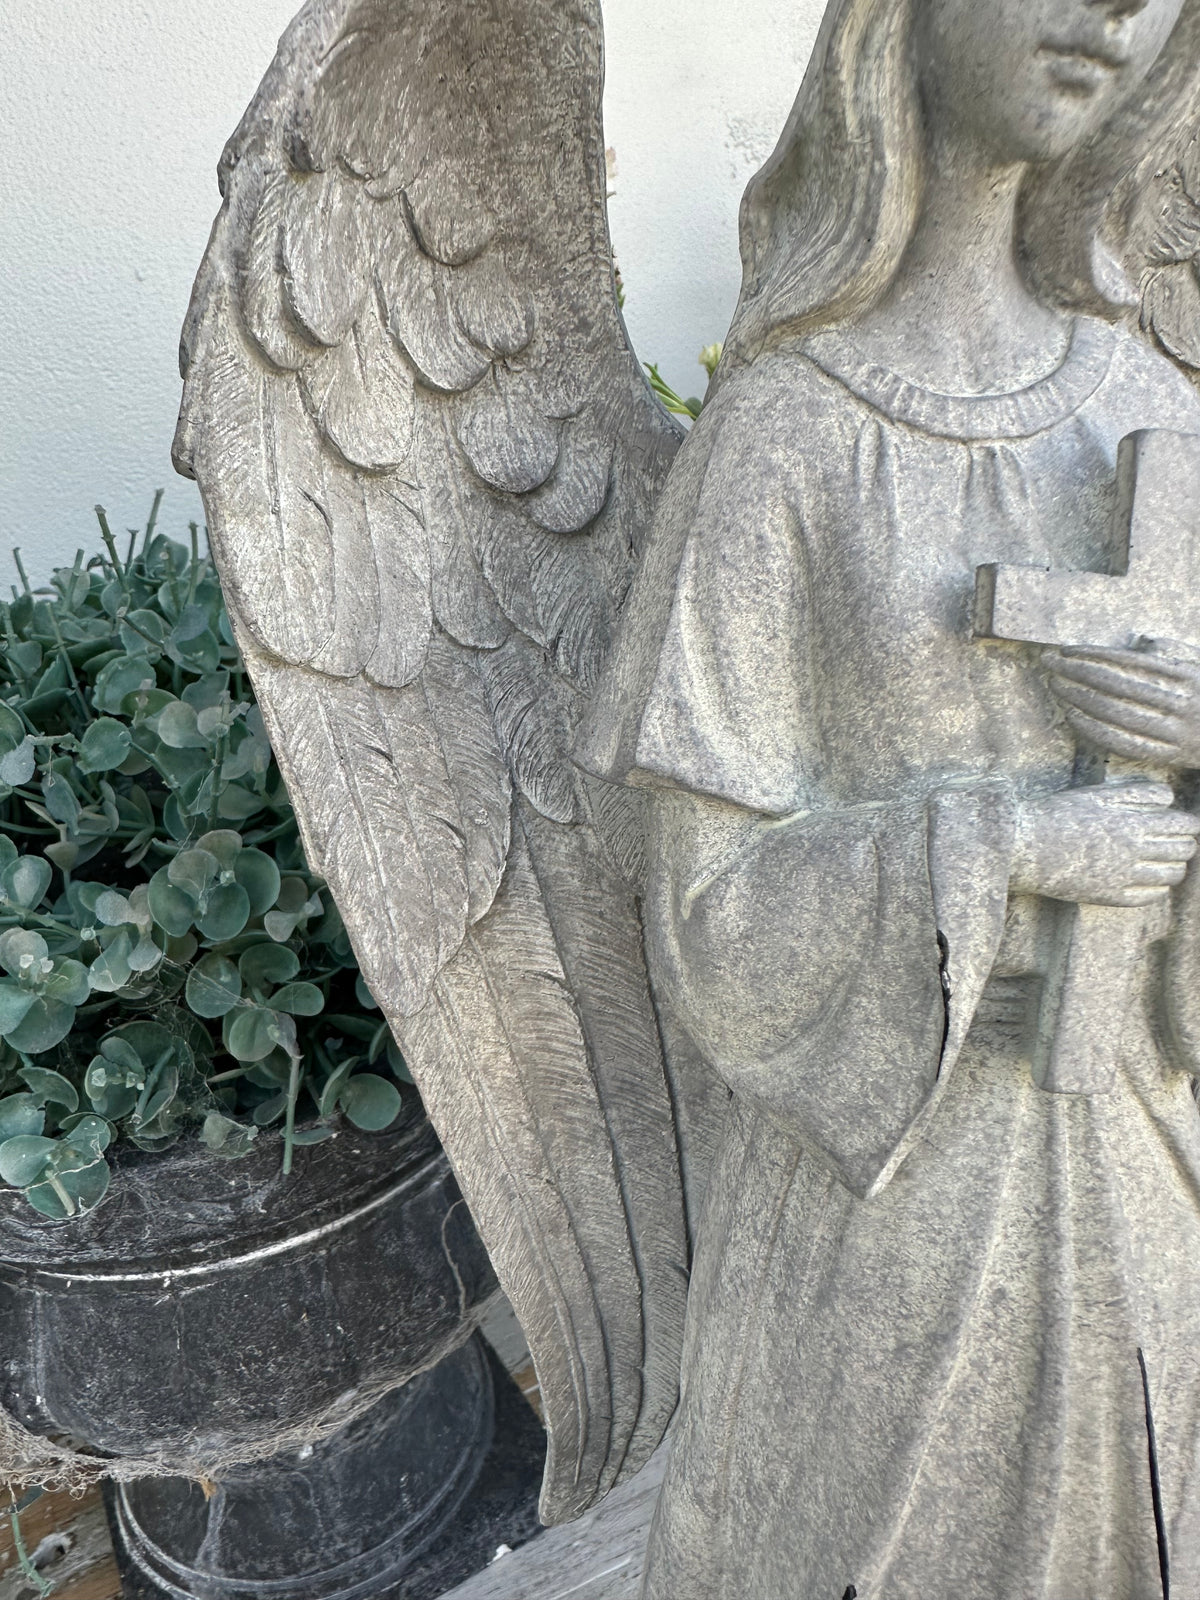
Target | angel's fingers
(1150,873)
(1120,682)
(1132,747)
(1144,662)
(1125,714)
(1138,897)
(1163,851)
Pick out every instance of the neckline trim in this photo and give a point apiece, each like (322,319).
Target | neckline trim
(1017,415)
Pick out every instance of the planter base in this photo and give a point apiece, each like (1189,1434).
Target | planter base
(362,1518)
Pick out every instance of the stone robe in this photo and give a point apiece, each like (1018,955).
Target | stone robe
(937,1314)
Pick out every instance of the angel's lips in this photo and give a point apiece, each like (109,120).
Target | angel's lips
(1080,70)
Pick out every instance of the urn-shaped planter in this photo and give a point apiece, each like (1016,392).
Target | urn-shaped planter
(306,1341)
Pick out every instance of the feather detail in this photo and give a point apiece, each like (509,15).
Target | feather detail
(400,543)
(325,280)
(598,934)
(490,309)
(478,772)
(579,490)
(356,598)
(550,1209)
(420,317)
(451,221)
(380,819)
(261,466)
(510,443)
(361,393)
(544,583)
(531,711)
(620,817)
(261,285)
(464,604)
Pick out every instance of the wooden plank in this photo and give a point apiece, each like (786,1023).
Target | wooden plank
(69,1540)
(600,1557)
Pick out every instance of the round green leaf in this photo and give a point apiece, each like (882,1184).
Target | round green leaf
(8,850)
(163,1093)
(119,678)
(193,871)
(20,1114)
(227,913)
(363,995)
(46,1087)
(171,908)
(14,1006)
(370,1102)
(214,986)
(238,804)
(68,982)
(110,1100)
(24,1159)
(22,951)
(149,1042)
(293,896)
(265,965)
(281,925)
(25,881)
(227,1138)
(252,1033)
(120,1054)
(88,1134)
(112,909)
(223,843)
(259,876)
(176,727)
(19,765)
(84,1185)
(299,1000)
(12,729)
(111,970)
(270,1110)
(104,746)
(47,1023)
(308,1136)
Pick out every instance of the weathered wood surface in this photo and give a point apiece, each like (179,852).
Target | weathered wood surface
(600,1557)
(69,1543)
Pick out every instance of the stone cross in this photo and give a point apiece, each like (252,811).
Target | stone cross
(1154,597)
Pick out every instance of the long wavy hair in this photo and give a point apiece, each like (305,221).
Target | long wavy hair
(826,222)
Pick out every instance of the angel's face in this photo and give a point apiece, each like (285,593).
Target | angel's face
(1028,80)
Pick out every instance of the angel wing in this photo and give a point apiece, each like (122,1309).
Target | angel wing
(428,459)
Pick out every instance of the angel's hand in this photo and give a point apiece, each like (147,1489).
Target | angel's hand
(1137,704)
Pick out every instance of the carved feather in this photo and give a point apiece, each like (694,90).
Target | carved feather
(504,1012)
(380,817)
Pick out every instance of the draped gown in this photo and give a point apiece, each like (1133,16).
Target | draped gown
(936,1311)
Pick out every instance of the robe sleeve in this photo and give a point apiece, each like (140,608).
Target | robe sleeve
(709,688)
(829,965)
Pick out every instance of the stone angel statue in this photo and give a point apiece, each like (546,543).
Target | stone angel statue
(786,941)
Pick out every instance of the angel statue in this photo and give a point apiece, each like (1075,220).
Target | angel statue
(770,853)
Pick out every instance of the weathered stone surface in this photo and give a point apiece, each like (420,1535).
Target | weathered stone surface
(814,813)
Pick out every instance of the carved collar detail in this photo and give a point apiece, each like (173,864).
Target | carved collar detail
(1018,415)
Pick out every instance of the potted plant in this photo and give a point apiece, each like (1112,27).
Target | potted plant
(227,1229)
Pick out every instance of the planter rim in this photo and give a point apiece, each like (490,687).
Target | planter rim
(178,1210)
(430,1171)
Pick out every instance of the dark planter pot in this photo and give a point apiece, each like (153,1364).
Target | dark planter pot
(209,1306)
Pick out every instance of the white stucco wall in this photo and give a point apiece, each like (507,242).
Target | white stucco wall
(111,122)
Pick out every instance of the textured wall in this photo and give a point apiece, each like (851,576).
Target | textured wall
(111,122)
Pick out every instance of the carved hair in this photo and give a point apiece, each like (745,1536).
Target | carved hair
(827,220)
